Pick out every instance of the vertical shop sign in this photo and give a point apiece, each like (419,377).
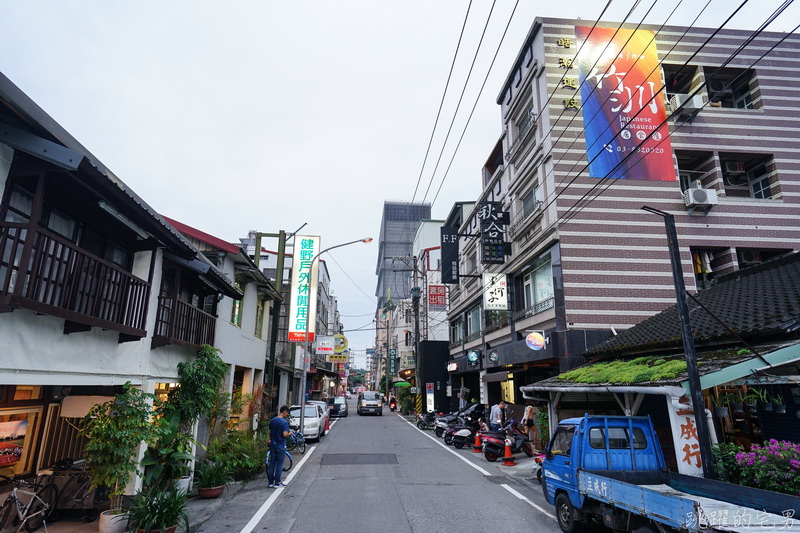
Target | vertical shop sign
(437,297)
(493,222)
(449,243)
(303,303)
(495,292)
(623,111)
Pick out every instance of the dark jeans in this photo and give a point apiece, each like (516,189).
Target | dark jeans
(275,464)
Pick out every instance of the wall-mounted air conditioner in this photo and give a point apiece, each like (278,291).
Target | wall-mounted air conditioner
(700,197)
(749,257)
(734,168)
(718,88)
(690,103)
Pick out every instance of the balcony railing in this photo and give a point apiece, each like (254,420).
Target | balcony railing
(525,126)
(46,273)
(178,322)
(472,336)
(540,307)
(528,214)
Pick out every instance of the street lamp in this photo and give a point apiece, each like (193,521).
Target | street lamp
(308,341)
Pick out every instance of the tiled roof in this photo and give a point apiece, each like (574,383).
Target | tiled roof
(761,304)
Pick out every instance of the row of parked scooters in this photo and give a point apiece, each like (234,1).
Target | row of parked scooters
(459,429)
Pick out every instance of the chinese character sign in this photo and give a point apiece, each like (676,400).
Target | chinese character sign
(493,222)
(685,440)
(449,242)
(622,113)
(437,297)
(495,292)
(303,303)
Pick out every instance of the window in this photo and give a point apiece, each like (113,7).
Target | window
(734,88)
(617,439)
(562,441)
(20,204)
(259,318)
(537,286)
(236,309)
(456,330)
(758,179)
(679,79)
(749,176)
(528,55)
(474,320)
(532,201)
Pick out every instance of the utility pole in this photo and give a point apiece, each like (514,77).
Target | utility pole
(695,390)
(276,311)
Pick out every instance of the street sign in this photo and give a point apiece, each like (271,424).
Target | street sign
(413,390)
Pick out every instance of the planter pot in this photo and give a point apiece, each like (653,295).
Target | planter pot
(112,522)
(779,408)
(721,411)
(766,406)
(182,484)
(751,407)
(210,492)
(737,408)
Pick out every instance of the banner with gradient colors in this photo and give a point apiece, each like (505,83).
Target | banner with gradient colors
(619,76)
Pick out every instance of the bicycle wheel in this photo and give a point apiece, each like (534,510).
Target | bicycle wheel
(291,443)
(38,511)
(287,462)
(301,444)
(5,513)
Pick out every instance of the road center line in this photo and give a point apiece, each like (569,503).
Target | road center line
(269,501)
(524,498)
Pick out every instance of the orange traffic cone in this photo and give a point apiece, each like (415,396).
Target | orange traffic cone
(508,457)
(477,448)
(327,424)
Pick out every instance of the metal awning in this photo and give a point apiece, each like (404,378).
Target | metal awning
(495,377)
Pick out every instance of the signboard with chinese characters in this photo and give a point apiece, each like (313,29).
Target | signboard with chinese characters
(493,222)
(303,297)
(449,247)
(325,345)
(684,437)
(495,292)
(437,297)
(623,111)
(392,362)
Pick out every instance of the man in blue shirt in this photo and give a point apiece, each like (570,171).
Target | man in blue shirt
(278,431)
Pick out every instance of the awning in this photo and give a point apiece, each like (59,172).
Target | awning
(495,377)
(401,384)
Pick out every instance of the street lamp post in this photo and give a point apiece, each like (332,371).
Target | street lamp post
(307,353)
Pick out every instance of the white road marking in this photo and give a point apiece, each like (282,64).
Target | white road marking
(268,503)
(447,448)
(524,498)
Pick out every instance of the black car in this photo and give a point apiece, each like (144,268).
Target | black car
(337,406)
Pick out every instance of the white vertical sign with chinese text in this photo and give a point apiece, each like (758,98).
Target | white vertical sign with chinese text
(495,292)
(303,304)
(684,437)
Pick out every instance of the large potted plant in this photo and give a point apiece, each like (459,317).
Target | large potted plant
(211,477)
(113,430)
(158,510)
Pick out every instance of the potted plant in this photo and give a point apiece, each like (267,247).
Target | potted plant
(113,430)
(167,460)
(158,510)
(211,477)
(763,399)
(721,402)
(777,401)
(737,402)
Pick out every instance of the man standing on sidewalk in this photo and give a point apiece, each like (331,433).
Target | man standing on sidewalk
(278,431)
(497,416)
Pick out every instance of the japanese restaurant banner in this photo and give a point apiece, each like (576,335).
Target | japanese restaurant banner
(620,76)
(303,303)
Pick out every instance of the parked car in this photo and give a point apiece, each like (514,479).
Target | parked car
(325,413)
(313,420)
(370,402)
(337,406)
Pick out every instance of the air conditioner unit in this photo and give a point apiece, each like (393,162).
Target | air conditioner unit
(734,168)
(690,103)
(749,257)
(699,197)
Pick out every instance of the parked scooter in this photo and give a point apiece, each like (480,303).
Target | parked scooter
(451,428)
(494,443)
(465,436)
(538,457)
(427,421)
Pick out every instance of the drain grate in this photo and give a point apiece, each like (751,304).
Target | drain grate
(359,459)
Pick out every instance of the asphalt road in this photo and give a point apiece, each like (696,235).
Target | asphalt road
(381,474)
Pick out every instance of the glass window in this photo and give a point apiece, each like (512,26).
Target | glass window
(538,285)
(474,320)
(20,205)
(617,439)
(236,310)
(456,330)
(562,441)
(259,318)
(61,223)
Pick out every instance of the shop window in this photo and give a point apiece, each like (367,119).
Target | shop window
(734,88)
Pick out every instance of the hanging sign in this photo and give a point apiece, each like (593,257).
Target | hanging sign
(303,296)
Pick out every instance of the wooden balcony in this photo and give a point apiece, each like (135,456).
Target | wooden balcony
(48,274)
(179,322)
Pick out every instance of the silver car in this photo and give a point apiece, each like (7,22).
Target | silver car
(370,402)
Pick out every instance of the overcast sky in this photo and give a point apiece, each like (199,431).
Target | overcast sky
(264,115)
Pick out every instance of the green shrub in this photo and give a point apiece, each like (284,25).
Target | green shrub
(241,452)
(725,464)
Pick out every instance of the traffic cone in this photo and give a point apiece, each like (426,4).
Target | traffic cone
(477,448)
(327,424)
(508,457)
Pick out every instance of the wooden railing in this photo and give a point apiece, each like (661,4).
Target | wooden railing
(178,322)
(48,274)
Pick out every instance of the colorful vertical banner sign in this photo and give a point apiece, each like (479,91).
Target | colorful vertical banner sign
(303,304)
(495,292)
(620,76)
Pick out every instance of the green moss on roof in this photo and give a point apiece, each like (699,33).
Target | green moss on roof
(639,370)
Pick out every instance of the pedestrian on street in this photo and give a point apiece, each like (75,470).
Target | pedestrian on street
(497,416)
(278,431)
(529,422)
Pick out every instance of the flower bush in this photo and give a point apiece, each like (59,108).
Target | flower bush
(774,466)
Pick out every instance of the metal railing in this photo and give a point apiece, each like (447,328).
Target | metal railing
(46,273)
(535,309)
(527,215)
(525,126)
(178,322)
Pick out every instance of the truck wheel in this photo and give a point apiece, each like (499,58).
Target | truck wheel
(565,514)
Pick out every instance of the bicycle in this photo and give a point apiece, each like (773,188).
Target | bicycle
(41,501)
(287,461)
(296,440)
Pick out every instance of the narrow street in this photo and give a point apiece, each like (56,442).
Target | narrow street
(381,473)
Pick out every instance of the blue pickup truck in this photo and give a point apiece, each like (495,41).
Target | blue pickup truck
(611,469)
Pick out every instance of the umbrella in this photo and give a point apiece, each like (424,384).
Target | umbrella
(401,384)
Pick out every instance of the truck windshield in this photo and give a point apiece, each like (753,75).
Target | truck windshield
(562,441)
